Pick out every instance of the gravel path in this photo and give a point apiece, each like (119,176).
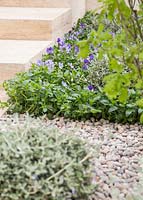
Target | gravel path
(117,163)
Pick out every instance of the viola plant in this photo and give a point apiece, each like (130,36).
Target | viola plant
(58,84)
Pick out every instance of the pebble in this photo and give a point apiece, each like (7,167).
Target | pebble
(117,165)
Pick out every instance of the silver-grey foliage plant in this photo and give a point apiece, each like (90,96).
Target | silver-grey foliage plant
(40,163)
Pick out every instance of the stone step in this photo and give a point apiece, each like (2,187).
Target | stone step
(16,56)
(36,3)
(34,23)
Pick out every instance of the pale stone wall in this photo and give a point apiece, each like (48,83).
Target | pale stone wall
(92,4)
(78,9)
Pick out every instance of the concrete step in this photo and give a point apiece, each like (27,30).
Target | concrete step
(36,3)
(16,56)
(34,23)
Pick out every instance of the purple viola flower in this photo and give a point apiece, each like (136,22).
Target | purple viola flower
(82,25)
(86,61)
(90,87)
(40,63)
(50,64)
(111,33)
(77,33)
(85,67)
(60,42)
(91,57)
(50,50)
(76,49)
(61,65)
(68,48)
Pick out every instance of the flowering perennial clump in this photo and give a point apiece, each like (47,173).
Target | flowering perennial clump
(65,84)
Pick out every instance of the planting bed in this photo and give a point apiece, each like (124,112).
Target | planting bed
(90,83)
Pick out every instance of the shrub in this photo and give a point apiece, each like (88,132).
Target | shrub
(40,163)
(123,50)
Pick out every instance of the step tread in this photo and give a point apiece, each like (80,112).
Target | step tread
(18,13)
(20,51)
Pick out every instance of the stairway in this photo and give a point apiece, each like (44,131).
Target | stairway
(28,27)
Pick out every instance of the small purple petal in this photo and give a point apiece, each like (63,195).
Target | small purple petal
(111,33)
(86,61)
(91,87)
(77,33)
(50,64)
(82,25)
(50,50)
(40,63)
(60,42)
(68,48)
(85,67)
(76,49)
(91,57)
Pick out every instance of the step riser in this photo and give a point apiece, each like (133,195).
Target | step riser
(36,3)
(17,56)
(78,6)
(35,29)
(25,30)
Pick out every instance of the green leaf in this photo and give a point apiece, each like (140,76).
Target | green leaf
(141,118)
(114,65)
(84,49)
(129,112)
(139,103)
(112,109)
(123,96)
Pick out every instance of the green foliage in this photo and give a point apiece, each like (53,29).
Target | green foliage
(39,163)
(61,92)
(122,49)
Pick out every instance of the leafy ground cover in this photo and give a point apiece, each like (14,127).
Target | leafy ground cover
(64,84)
(38,162)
